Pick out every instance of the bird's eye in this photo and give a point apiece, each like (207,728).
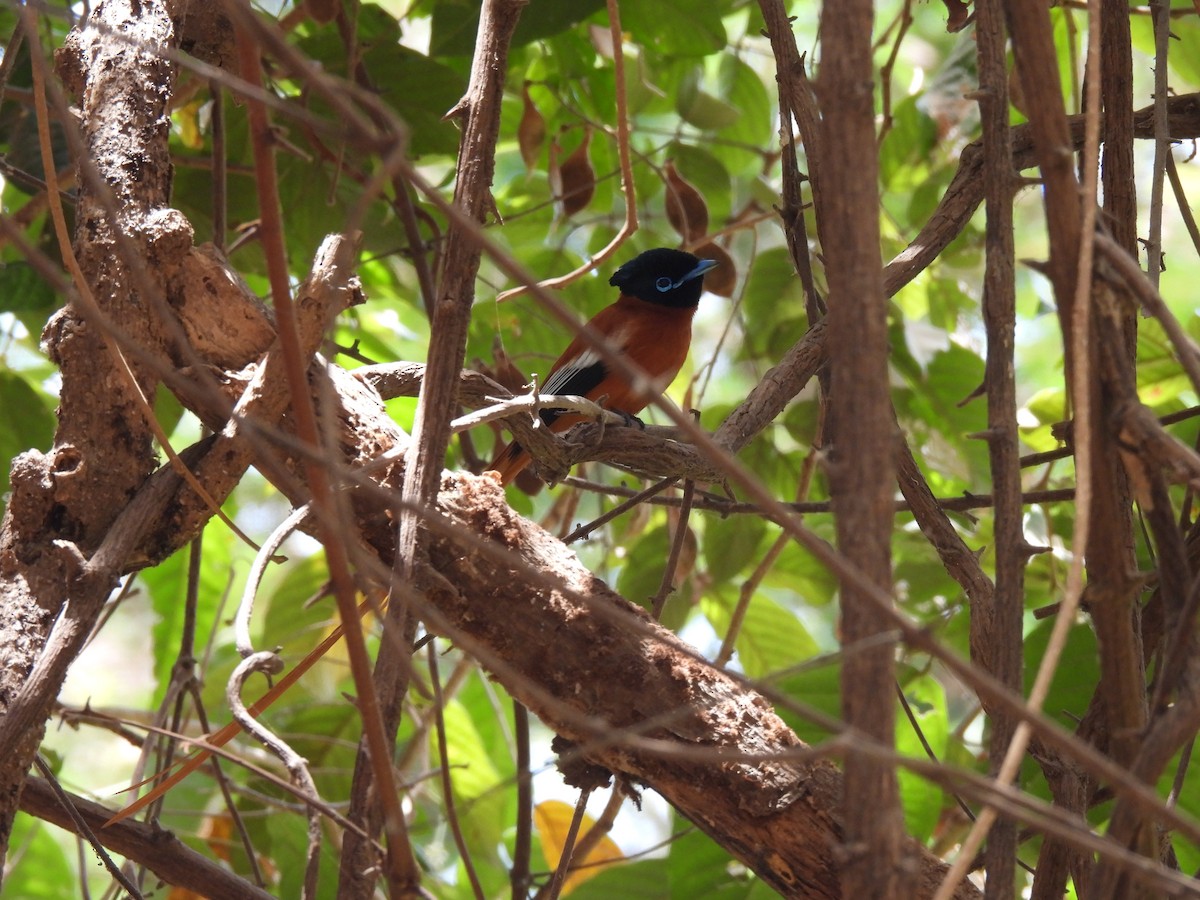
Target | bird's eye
(664,284)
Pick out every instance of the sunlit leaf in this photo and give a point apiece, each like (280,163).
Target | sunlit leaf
(553,821)
(770,639)
(674,27)
(921,798)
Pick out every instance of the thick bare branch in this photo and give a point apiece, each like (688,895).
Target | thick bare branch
(67,499)
(861,471)
(147,845)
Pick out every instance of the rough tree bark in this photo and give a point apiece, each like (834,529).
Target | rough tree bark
(996,627)
(65,501)
(1098,348)
(861,471)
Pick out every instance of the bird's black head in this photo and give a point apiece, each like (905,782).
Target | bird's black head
(663,276)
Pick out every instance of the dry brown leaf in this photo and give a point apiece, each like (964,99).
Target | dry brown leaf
(578,178)
(959,15)
(323,11)
(722,280)
(686,210)
(531,133)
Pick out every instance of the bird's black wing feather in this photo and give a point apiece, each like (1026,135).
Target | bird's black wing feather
(575,379)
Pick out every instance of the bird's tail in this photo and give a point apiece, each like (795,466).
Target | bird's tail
(509,462)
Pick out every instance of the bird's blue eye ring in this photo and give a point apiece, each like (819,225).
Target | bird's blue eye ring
(664,284)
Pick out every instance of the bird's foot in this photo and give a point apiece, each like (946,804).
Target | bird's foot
(630,420)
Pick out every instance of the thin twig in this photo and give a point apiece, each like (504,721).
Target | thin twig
(620,509)
(667,586)
(747,591)
(920,733)
(1181,200)
(241,620)
(220,167)
(85,830)
(554,889)
(523,841)
(219,776)
(1077,325)
(270,663)
(451,809)
(600,828)
(233,729)
(533,404)
(1185,758)
(83,291)
(905,20)
(1142,287)
(1162,138)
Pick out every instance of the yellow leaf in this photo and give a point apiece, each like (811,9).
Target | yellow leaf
(187,120)
(553,822)
(218,831)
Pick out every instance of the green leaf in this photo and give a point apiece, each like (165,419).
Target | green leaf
(23,290)
(478,786)
(730,543)
(1076,677)
(167,586)
(395,69)
(287,617)
(455,24)
(37,864)
(645,880)
(28,419)
(1160,377)
(904,156)
(816,686)
(938,412)
(674,27)
(922,800)
(1183,57)
(771,638)
(698,867)
(485,703)
(743,89)
(798,572)
(698,107)
(643,572)
(474,774)
(284,840)
(1048,406)
(1189,802)
(773,297)
(325,734)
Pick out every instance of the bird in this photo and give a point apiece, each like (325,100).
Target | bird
(650,324)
